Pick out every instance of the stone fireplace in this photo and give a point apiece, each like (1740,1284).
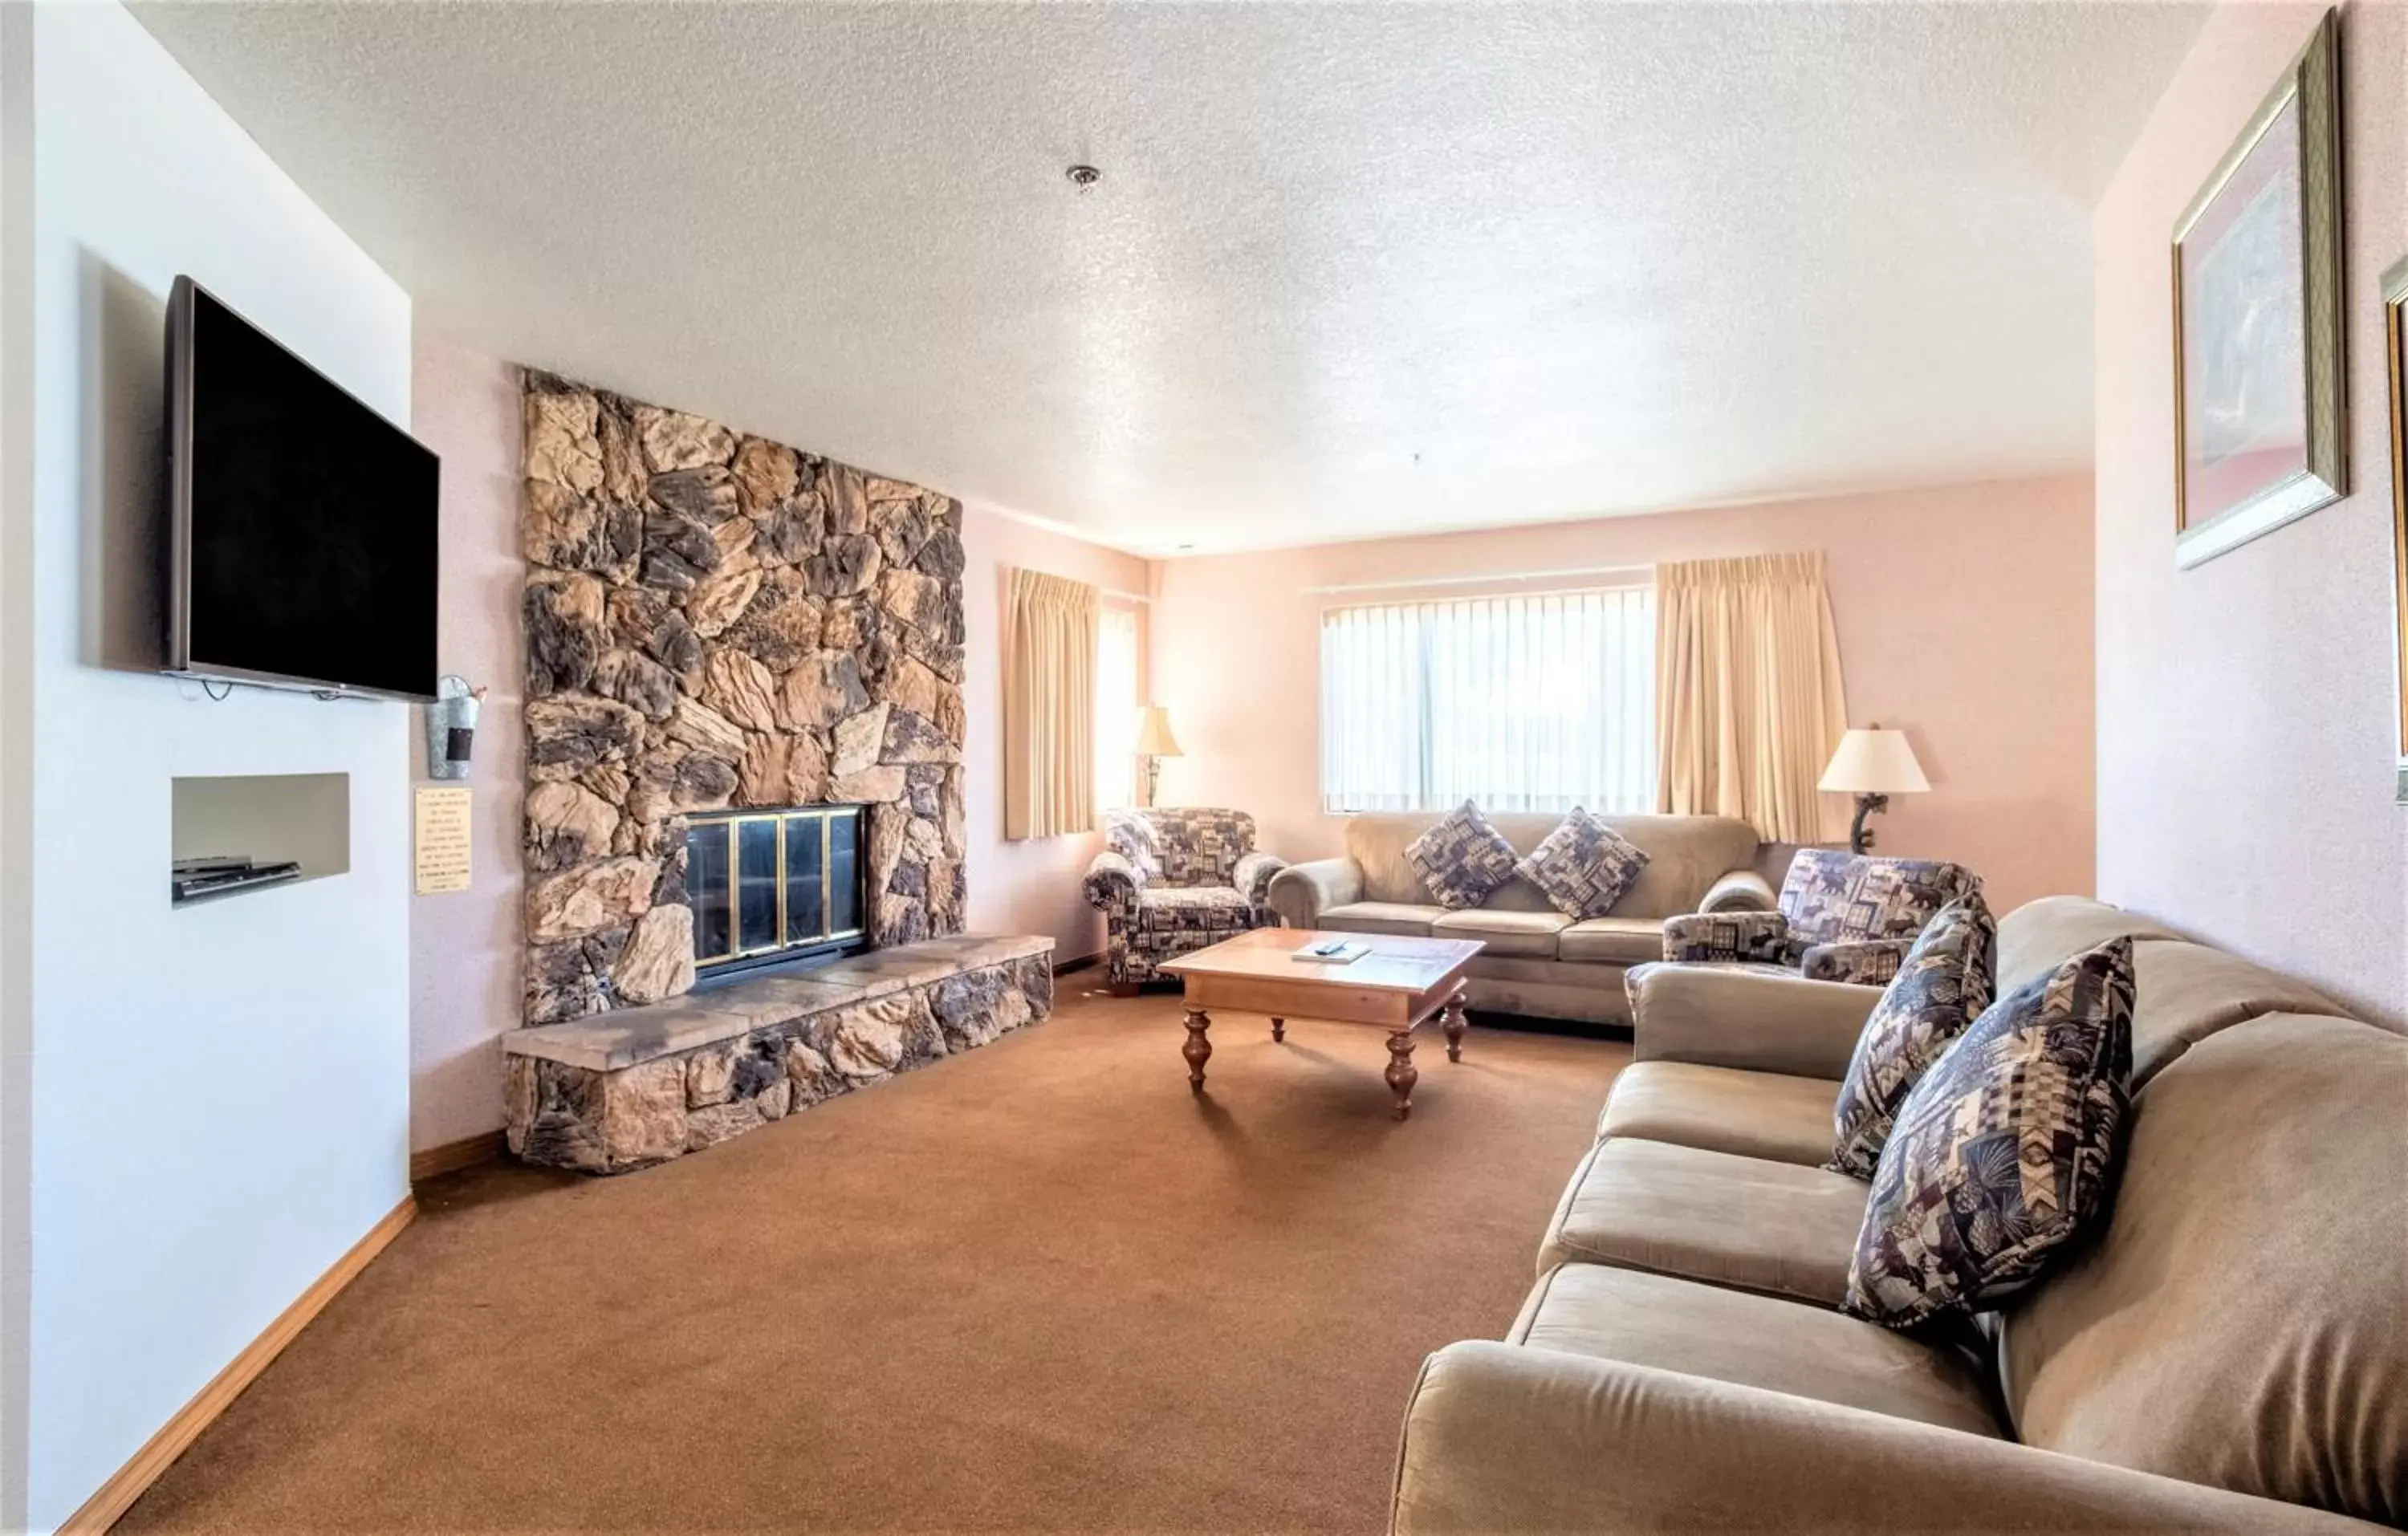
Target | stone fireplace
(744,735)
(717,624)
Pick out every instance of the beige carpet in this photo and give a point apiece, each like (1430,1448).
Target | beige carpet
(1036,1286)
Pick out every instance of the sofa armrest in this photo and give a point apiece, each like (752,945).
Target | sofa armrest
(1727,937)
(1252,876)
(1739,1018)
(1502,1437)
(1113,886)
(1740,891)
(1302,892)
(1867,962)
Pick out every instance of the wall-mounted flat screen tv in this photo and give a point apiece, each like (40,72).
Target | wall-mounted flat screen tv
(302,543)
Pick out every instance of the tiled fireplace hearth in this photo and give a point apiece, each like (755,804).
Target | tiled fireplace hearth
(641,1086)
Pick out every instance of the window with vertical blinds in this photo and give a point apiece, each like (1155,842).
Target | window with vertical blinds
(1521,703)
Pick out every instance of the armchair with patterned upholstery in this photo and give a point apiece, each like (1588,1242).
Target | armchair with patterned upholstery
(1841,917)
(1170,881)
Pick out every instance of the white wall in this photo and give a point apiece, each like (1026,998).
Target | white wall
(16,746)
(220,1095)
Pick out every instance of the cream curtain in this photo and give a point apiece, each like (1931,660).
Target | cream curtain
(1049,707)
(1749,703)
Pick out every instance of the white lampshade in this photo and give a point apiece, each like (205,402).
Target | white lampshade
(1874,761)
(1154,737)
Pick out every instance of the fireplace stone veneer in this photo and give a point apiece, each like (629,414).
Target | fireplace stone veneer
(717,621)
(641,1086)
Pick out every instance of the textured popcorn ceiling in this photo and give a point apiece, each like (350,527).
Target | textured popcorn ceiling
(1350,270)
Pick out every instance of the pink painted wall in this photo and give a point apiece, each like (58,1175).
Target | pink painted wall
(2246,742)
(463,945)
(1032,885)
(1964,614)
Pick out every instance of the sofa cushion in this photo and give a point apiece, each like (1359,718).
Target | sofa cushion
(1623,940)
(1162,907)
(1751,1341)
(1583,866)
(1709,1216)
(1685,855)
(1528,934)
(1942,986)
(1381,917)
(2005,1151)
(2042,935)
(1720,1109)
(1462,859)
(2239,1320)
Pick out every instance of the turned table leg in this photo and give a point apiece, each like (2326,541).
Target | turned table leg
(1454,1026)
(1400,1074)
(1197,1049)
(1279,1030)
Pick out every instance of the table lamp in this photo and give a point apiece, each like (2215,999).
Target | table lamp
(1872,764)
(1155,742)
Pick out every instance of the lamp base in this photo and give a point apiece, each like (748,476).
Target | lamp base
(1153,781)
(1860,837)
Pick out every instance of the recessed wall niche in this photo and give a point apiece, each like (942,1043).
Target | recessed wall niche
(267,818)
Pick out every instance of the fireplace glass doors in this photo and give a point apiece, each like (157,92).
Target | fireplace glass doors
(774,884)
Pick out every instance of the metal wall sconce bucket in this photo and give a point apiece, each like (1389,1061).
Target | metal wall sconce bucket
(451,727)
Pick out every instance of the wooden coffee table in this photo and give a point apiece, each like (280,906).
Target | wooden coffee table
(1400,985)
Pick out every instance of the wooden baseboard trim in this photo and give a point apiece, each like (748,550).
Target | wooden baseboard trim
(1064,967)
(451,1156)
(116,1496)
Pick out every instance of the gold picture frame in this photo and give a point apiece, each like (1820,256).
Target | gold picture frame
(2261,407)
(2395,356)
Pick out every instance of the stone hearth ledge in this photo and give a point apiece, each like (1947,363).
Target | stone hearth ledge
(639,1085)
(629,1037)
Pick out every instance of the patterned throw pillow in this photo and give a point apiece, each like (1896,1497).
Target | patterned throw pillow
(1942,986)
(2005,1149)
(1462,859)
(1583,866)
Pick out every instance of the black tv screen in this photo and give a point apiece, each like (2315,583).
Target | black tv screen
(302,545)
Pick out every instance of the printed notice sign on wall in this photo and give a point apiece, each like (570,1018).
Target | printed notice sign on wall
(440,835)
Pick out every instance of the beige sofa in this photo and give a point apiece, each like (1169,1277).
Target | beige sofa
(1538,961)
(2230,1352)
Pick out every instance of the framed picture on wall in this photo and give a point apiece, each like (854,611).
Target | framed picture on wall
(2260,435)
(2395,361)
